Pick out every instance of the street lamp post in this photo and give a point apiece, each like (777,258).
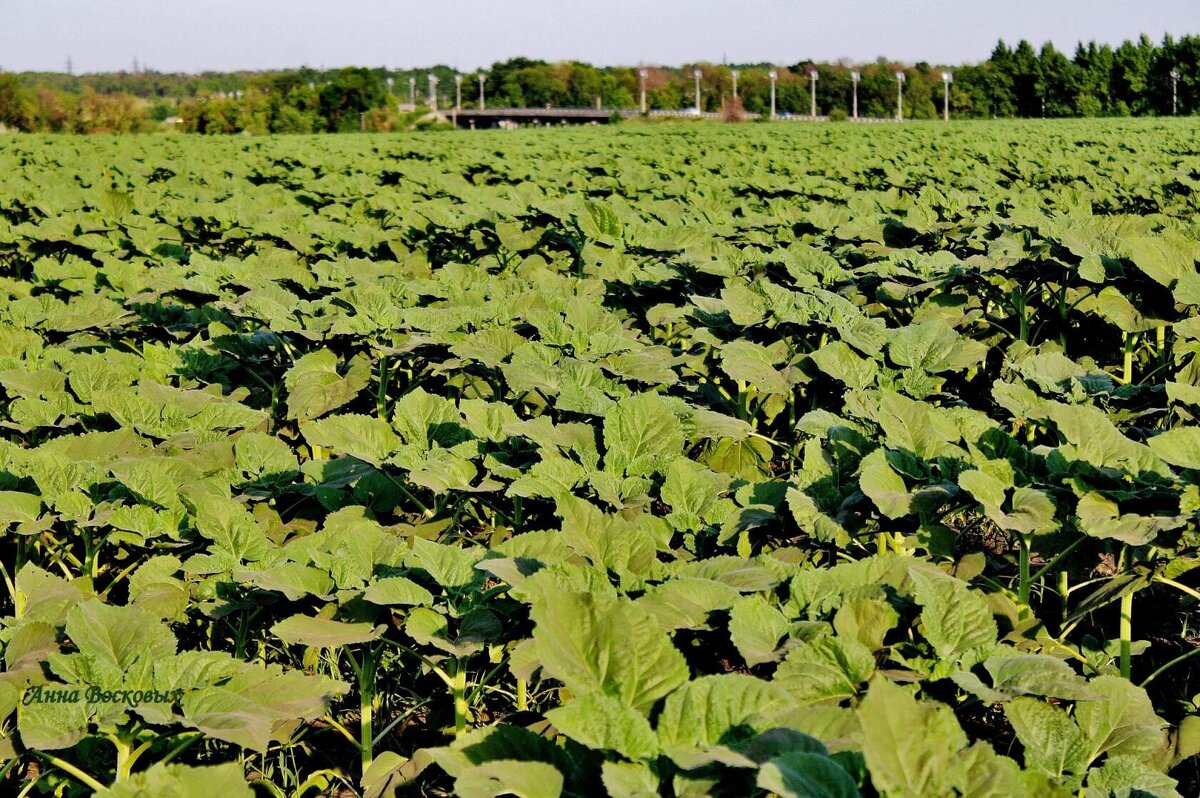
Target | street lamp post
(457,92)
(696,76)
(812,84)
(1174,92)
(735,77)
(482,103)
(642,75)
(432,92)
(947,79)
(855,76)
(899,96)
(412,91)
(774,76)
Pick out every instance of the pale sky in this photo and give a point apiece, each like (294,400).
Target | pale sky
(193,35)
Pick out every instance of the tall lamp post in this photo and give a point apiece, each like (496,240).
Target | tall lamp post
(899,96)
(735,77)
(774,76)
(947,79)
(412,91)
(432,92)
(812,84)
(1174,92)
(696,76)
(457,92)
(642,75)
(855,76)
(482,104)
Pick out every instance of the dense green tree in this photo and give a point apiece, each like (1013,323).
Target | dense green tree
(351,92)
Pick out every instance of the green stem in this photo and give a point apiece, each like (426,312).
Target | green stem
(68,768)
(1063,591)
(366,695)
(522,695)
(1128,340)
(1171,664)
(1070,547)
(1023,585)
(459,691)
(1187,591)
(1126,630)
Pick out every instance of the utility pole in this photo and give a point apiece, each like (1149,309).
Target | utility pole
(1174,92)
(432,92)
(812,84)
(696,75)
(855,77)
(774,76)
(70,66)
(482,104)
(947,79)
(457,92)
(735,77)
(412,91)
(899,96)
(642,75)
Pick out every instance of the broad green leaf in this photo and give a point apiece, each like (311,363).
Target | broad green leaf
(605,724)
(591,643)
(323,632)
(182,781)
(755,627)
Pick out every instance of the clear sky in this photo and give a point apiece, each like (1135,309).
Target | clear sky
(192,35)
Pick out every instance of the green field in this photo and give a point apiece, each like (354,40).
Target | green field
(809,460)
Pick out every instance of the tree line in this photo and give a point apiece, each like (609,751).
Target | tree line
(1134,78)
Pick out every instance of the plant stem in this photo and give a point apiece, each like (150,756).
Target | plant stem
(1172,663)
(1126,630)
(67,767)
(1023,585)
(522,695)
(459,691)
(1063,590)
(366,696)
(1128,341)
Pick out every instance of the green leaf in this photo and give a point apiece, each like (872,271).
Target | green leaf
(604,723)
(1179,446)
(592,643)
(755,627)
(803,775)
(642,436)
(825,669)
(1053,743)
(911,747)
(714,710)
(956,621)
(884,486)
(1126,776)
(118,636)
(259,704)
(322,632)
(314,386)
(182,781)
(1123,723)
(18,508)
(865,620)
(934,347)
(364,437)
(397,590)
(510,777)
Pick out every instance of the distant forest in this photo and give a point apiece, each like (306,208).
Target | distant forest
(1133,79)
